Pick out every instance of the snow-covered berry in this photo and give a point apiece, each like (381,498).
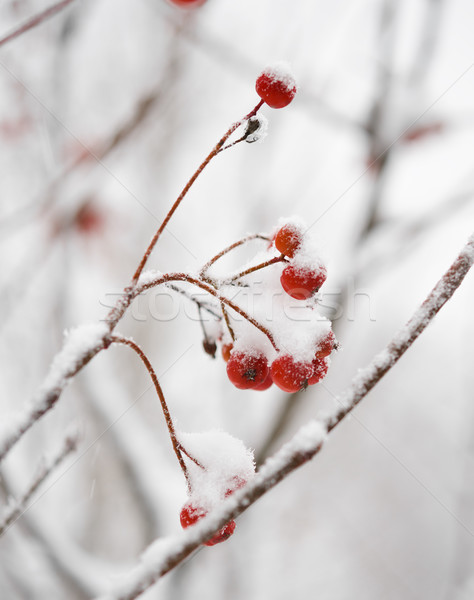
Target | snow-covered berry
(192,513)
(276,86)
(288,239)
(302,282)
(247,370)
(289,374)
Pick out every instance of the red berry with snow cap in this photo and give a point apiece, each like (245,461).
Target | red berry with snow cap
(289,374)
(276,86)
(288,239)
(302,282)
(247,370)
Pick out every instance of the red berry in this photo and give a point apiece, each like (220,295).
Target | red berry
(187,3)
(300,282)
(326,345)
(191,513)
(226,350)
(288,239)
(247,370)
(291,375)
(266,384)
(320,369)
(276,87)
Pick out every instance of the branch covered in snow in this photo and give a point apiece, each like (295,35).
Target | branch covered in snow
(81,345)
(47,466)
(165,554)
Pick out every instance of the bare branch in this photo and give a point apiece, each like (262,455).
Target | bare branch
(14,512)
(164,555)
(36,20)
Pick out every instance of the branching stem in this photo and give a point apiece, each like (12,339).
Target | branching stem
(187,187)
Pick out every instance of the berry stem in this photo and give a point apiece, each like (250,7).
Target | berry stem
(227,322)
(188,185)
(177,447)
(248,238)
(267,263)
(211,290)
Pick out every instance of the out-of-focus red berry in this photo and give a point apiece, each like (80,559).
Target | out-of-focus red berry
(187,3)
(288,239)
(226,350)
(300,282)
(276,87)
(291,375)
(247,370)
(191,513)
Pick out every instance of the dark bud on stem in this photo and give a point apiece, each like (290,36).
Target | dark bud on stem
(210,347)
(253,125)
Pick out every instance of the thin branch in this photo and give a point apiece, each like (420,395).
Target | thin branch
(201,305)
(116,339)
(187,187)
(267,263)
(304,445)
(211,290)
(34,21)
(68,446)
(248,238)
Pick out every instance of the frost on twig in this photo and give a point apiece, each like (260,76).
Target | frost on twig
(164,555)
(47,465)
(81,345)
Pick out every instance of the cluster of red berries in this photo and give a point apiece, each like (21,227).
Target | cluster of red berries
(251,369)
(193,511)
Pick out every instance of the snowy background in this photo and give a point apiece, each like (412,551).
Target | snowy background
(105,112)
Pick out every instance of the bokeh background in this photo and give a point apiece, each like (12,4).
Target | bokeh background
(105,112)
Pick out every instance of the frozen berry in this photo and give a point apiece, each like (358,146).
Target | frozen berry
(247,370)
(288,239)
(291,375)
(190,514)
(266,384)
(276,86)
(326,345)
(300,282)
(226,350)
(320,369)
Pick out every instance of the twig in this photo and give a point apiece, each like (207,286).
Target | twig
(34,21)
(187,187)
(304,445)
(248,238)
(267,263)
(211,290)
(116,339)
(14,512)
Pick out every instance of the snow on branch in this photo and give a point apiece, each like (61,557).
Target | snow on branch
(47,465)
(165,554)
(81,345)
